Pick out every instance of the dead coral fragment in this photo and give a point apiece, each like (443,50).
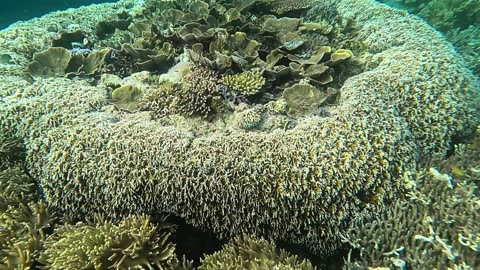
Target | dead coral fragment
(135,243)
(247,83)
(253,253)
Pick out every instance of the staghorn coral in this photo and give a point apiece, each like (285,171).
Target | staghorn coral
(197,94)
(247,252)
(246,83)
(435,227)
(249,118)
(135,243)
(302,185)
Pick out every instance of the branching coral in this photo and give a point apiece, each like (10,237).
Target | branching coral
(436,226)
(248,252)
(134,243)
(24,221)
(246,83)
(197,94)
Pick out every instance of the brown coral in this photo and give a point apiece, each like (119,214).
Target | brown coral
(197,93)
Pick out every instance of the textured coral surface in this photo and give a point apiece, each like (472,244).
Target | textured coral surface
(303,185)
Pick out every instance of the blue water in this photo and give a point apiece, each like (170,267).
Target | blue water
(13,11)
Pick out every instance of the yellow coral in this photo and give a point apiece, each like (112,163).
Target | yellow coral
(247,83)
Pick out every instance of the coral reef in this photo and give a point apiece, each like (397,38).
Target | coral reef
(24,220)
(12,152)
(435,227)
(458,20)
(302,185)
(246,83)
(135,243)
(248,252)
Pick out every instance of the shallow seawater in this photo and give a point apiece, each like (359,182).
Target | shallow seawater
(13,11)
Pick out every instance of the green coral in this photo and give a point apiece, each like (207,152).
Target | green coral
(133,244)
(248,252)
(246,83)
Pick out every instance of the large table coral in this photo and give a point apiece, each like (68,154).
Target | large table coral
(303,185)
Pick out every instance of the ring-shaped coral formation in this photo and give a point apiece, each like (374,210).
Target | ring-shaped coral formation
(303,185)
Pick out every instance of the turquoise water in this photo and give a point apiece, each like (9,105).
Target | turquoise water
(13,11)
